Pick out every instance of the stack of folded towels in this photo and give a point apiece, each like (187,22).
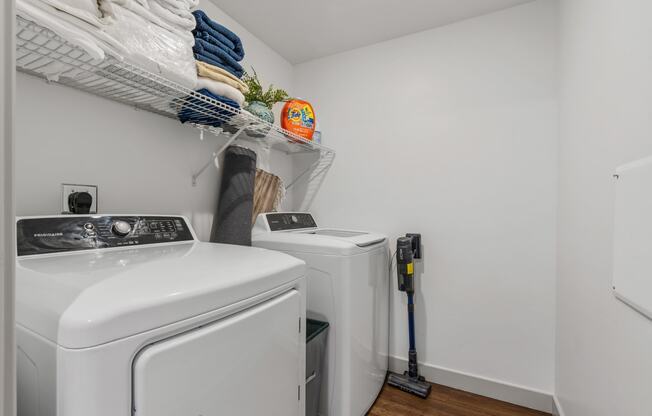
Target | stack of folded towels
(80,22)
(216,45)
(218,52)
(153,34)
(158,34)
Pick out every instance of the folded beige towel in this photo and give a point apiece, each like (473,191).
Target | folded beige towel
(221,75)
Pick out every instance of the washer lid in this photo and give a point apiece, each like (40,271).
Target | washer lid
(89,298)
(331,241)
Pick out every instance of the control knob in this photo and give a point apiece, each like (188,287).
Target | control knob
(121,228)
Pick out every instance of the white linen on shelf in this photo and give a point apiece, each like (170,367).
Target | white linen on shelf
(126,35)
(53,21)
(182,19)
(220,88)
(93,33)
(153,48)
(134,6)
(86,10)
(181,4)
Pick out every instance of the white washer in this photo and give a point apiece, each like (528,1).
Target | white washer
(348,284)
(130,315)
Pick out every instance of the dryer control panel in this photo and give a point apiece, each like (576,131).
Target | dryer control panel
(46,235)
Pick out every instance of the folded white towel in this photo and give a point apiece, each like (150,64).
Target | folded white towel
(220,88)
(176,17)
(181,4)
(87,10)
(125,3)
(151,47)
(61,28)
(108,7)
(56,18)
(179,9)
(128,36)
(77,32)
(143,3)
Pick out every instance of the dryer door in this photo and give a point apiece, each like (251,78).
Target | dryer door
(248,364)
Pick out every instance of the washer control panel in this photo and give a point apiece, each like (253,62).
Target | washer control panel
(280,221)
(73,233)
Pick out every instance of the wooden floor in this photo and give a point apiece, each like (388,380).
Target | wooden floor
(444,401)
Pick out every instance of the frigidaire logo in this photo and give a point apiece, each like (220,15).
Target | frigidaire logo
(48,234)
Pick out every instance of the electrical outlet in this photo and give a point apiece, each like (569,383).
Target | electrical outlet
(67,189)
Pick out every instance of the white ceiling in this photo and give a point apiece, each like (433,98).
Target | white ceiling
(301,30)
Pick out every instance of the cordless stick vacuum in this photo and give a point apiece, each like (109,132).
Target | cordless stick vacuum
(408,248)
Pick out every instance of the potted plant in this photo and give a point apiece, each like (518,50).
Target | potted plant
(260,102)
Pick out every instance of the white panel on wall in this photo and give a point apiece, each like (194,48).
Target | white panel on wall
(633,235)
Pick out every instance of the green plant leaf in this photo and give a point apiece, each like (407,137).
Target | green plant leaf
(257,92)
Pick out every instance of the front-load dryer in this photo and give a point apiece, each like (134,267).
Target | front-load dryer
(348,286)
(131,315)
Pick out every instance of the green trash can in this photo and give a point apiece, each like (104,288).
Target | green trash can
(316,336)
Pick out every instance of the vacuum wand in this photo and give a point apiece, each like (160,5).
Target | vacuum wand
(405,274)
(410,381)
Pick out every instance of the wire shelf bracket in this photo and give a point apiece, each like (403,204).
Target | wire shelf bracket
(216,154)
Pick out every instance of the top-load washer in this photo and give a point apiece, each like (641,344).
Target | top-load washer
(348,286)
(131,315)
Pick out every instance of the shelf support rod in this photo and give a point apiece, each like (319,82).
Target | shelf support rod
(311,167)
(217,154)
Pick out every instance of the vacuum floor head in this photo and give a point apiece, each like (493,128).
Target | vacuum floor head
(410,385)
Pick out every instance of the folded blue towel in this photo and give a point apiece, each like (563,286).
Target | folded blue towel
(206,26)
(196,110)
(213,55)
(210,39)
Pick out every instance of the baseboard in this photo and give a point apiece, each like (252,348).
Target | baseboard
(510,393)
(556,407)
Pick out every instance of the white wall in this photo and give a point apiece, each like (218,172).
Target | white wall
(7,340)
(452,133)
(141,162)
(604,365)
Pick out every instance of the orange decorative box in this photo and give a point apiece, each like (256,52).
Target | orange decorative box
(298,117)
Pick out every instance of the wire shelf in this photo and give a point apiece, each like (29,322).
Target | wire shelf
(40,52)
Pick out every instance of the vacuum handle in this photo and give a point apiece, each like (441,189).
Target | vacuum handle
(405,264)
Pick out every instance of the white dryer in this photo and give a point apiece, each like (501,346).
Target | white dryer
(348,286)
(131,315)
